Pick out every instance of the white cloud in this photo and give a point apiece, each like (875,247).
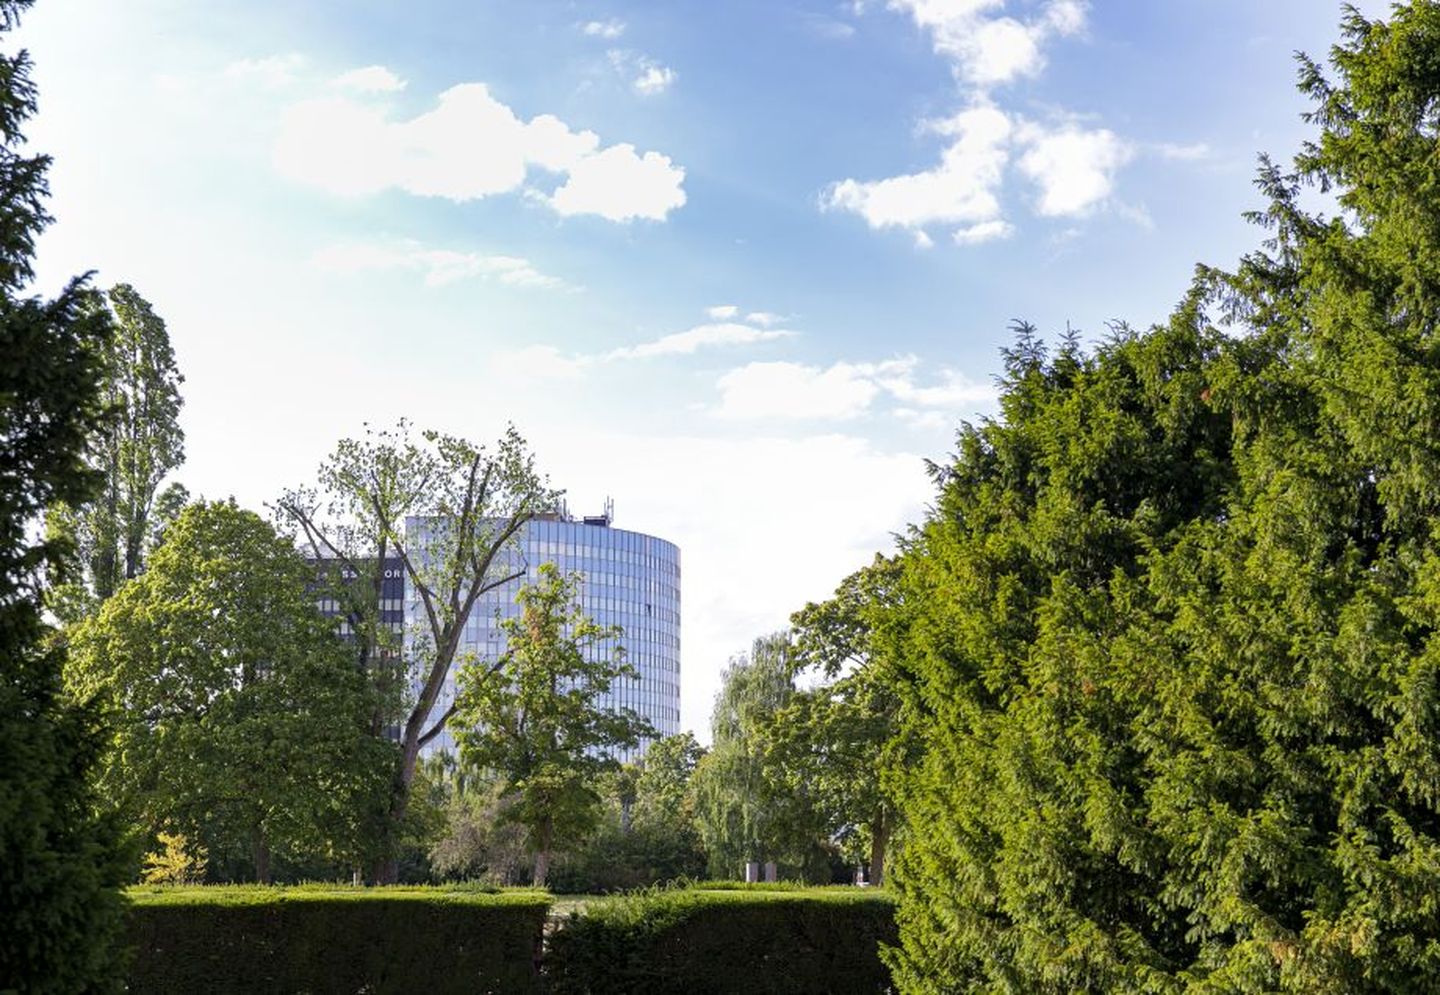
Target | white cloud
(986,49)
(369,79)
(763,318)
(619,185)
(688,342)
(962,188)
(468,147)
(654,79)
(1073,167)
(952,390)
(439,266)
(271,71)
(647,77)
(722,312)
(609,29)
(843,390)
(984,231)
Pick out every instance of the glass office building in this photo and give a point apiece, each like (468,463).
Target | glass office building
(630,580)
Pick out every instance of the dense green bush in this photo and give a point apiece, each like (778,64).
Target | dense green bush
(749,940)
(253,939)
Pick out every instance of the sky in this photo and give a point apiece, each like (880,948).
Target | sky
(739,266)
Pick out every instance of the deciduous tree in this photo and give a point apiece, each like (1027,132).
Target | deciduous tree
(452,513)
(534,718)
(240,719)
(134,451)
(744,813)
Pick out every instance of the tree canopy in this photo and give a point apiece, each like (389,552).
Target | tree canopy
(240,720)
(534,717)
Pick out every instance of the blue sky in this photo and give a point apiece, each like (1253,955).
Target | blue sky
(737,265)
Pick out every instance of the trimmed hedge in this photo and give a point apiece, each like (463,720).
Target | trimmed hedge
(753,940)
(307,939)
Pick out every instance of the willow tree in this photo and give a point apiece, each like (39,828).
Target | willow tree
(743,812)
(452,513)
(1171,652)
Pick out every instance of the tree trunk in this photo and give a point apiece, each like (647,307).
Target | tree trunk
(879,840)
(387,868)
(542,853)
(260,850)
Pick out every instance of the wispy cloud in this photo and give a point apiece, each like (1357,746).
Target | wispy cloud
(647,76)
(438,267)
(544,361)
(700,337)
(1193,152)
(845,390)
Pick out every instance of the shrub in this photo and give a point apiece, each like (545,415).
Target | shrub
(772,940)
(312,939)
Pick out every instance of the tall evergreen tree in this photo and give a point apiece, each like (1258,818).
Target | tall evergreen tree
(60,863)
(1171,656)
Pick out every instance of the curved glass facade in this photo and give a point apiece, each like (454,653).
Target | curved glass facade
(631,580)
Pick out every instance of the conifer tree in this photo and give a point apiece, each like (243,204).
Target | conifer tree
(60,863)
(1171,658)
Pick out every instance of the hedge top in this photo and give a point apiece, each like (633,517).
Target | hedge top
(259,895)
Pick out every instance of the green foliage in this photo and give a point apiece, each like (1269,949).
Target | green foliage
(646,832)
(178,862)
(239,716)
(1169,645)
(60,864)
(743,813)
(741,940)
(532,718)
(478,843)
(830,741)
(662,788)
(133,453)
(285,940)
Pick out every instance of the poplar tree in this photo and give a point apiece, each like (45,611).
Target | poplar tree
(136,449)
